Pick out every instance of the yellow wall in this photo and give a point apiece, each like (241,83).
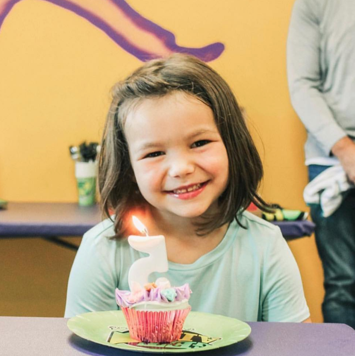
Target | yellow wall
(56,71)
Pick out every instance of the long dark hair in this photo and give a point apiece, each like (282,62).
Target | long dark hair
(157,78)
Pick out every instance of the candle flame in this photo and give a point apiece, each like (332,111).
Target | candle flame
(139,225)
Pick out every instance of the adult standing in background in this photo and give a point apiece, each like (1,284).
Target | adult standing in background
(321,76)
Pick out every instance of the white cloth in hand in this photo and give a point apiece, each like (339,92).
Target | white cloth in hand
(327,188)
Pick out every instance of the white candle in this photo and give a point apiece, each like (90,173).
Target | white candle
(157,261)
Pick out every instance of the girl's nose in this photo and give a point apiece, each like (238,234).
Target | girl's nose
(181,167)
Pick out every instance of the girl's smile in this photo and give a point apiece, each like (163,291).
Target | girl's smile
(189,191)
(178,157)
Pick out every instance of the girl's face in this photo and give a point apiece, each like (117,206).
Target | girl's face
(177,154)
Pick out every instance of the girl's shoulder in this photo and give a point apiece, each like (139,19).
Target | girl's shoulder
(102,234)
(259,230)
(105,227)
(260,237)
(254,222)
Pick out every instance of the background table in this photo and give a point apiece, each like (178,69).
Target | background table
(51,220)
(295,229)
(48,220)
(50,336)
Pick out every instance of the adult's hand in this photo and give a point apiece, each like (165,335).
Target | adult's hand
(344,149)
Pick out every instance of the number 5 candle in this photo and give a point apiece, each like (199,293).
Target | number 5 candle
(157,261)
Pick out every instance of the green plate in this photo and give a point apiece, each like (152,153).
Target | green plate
(202,332)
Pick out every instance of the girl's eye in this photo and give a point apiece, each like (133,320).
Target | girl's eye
(200,143)
(154,154)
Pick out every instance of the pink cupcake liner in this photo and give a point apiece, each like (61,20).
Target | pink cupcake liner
(155,326)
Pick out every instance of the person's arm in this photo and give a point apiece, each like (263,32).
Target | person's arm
(93,277)
(305,76)
(344,149)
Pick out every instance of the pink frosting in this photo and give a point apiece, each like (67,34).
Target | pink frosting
(125,298)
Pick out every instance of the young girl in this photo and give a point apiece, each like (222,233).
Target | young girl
(176,153)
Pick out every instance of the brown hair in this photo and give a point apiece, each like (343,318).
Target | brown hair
(158,78)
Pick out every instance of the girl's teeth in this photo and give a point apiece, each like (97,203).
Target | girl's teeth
(189,189)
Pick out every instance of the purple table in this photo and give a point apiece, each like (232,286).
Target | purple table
(295,229)
(50,336)
(51,220)
(48,220)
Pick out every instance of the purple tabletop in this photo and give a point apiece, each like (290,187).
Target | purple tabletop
(50,336)
(69,219)
(294,229)
(47,219)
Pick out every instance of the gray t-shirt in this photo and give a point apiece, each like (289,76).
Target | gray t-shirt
(321,71)
(251,275)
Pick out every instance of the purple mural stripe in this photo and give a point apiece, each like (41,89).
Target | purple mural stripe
(167,38)
(7,6)
(97,22)
(207,53)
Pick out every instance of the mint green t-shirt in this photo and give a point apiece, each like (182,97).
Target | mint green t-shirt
(251,275)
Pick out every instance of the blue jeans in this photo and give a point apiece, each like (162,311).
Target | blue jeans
(335,239)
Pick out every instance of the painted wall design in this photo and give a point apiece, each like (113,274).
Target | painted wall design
(134,33)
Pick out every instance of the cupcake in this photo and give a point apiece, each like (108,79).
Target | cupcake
(156,312)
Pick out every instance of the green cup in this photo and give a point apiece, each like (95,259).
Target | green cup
(85,173)
(86,191)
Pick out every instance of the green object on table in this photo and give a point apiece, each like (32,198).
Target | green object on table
(86,191)
(99,327)
(281,214)
(3,204)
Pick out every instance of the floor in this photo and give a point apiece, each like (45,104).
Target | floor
(33,276)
